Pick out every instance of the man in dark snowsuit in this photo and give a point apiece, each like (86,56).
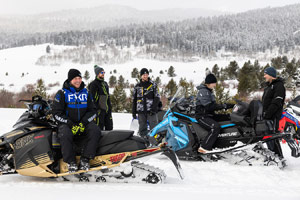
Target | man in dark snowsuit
(146,99)
(273,101)
(74,110)
(100,92)
(205,113)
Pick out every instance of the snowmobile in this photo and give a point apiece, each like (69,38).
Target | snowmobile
(33,149)
(239,140)
(290,117)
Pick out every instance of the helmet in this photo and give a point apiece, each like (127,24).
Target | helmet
(38,107)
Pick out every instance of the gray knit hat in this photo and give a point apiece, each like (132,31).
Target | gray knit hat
(98,70)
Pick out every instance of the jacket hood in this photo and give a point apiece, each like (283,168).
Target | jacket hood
(201,86)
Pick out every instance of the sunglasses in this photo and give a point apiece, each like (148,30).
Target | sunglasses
(102,72)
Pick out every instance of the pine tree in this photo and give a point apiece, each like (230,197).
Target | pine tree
(158,81)
(40,89)
(112,81)
(86,75)
(48,49)
(135,73)
(248,81)
(171,72)
(171,88)
(185,85)
(121,81)
(216,71)
(118,99)
(232,70)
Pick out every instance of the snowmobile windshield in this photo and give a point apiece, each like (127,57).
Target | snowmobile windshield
(295,102)
(178,97)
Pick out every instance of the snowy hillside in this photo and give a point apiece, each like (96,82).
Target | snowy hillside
(213,181)
(18,68)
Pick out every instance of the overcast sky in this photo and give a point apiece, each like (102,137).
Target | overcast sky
(42,6)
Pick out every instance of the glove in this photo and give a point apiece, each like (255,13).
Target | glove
(134,116)
(78,128)
(81,127)
(75,129)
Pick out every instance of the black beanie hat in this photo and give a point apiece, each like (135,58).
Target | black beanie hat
(210,78)
(73,73)
(144,71)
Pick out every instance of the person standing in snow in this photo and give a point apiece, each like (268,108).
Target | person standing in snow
(74,110)
(146,99)
(100,92)
(205,112)
(273,101)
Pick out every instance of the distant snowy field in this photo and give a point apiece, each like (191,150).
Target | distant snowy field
(16,61)
(207,181)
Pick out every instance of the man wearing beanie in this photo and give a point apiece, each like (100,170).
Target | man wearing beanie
(74,110)
(273,101)
(205,112)
(145,103)
(100,92)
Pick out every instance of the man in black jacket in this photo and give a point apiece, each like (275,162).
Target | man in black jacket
(74,110)
(273,101)
(100,92)
(205,113)
(146,99)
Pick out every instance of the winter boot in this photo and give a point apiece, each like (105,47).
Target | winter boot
(203,151)
(72,167)
(84,164)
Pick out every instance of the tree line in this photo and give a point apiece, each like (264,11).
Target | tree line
(244,33)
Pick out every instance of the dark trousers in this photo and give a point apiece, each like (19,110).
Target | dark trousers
(274,145)
(92,135)
(104,120)
(143,118)
(210,123)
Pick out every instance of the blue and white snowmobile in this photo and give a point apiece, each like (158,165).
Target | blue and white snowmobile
(239,140)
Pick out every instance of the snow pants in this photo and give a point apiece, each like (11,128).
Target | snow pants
(210,123)
(143,125)
(104,120)
(92,134)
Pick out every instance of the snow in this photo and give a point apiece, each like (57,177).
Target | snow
(16,61)
(215,180)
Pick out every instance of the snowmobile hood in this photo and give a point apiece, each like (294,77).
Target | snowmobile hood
(68,86)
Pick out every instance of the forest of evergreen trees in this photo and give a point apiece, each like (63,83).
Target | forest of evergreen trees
(244,33)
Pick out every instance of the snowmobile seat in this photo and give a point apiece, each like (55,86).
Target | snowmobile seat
(109,137)
(242,120)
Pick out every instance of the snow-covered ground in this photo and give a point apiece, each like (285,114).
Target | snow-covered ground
(217,180)
(18,68)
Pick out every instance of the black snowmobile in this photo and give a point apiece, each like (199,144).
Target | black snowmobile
(181,131)
(33,149)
